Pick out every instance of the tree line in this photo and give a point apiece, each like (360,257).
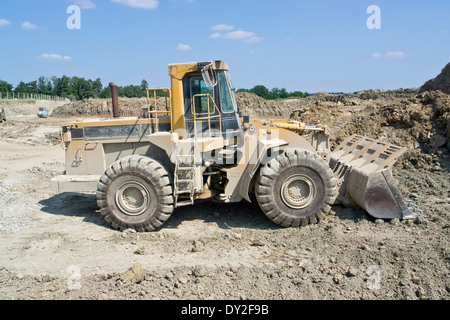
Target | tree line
(274,93)
(74,88)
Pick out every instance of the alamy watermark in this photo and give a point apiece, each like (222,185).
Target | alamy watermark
(74,279)
(374,20)
(74,20)
(374,277)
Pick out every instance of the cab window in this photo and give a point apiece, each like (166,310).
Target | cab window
(226,101)
(198,86)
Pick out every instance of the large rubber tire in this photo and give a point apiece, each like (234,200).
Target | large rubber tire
(296,188)
(135,192)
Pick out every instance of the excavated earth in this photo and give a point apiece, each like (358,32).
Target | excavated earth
(57,246)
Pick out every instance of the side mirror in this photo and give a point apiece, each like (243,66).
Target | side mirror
(209,76)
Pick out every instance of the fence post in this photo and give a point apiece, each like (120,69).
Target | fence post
(30,96)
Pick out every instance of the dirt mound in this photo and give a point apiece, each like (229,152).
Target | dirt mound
(405,117)
(129,107)
(441,82)
(420,122)
(249,103)
(254,106)
(27,108)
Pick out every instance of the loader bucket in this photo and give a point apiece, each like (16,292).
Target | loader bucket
(362,167)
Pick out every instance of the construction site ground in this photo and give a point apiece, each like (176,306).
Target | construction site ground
(57,246)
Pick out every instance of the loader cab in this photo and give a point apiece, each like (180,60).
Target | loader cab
(210,107)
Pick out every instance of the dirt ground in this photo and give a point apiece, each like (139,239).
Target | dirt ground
(57,246)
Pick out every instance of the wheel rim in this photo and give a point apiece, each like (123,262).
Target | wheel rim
(132,198)
(298,191)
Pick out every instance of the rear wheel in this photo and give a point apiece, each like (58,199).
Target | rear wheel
(135,192)
(296,188)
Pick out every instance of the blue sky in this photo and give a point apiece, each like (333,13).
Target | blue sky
(299,45)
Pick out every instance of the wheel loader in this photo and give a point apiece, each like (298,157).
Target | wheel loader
(192,142)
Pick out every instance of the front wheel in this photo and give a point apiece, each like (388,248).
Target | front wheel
(296,188)
(135,192)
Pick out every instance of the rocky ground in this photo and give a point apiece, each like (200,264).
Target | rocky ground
(57,246)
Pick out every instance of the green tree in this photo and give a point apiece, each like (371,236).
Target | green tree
(29,87)
(85,89)
(62,86)
(106,93)
(261,91)
(73,88)
(132,91)
(5,86)
(97,87)
(276,93)
(144,85)
(283,94)
(297,94)
(44,86)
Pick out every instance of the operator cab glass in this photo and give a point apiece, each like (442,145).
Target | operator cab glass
(227,102)
(198,87)
(219,99)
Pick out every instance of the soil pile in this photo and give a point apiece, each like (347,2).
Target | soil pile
(27,108)
(129,107)
(441,82)
(420,122)
(249,103)
(254,106)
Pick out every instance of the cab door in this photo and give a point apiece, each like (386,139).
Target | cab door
(231,125)
(219,99)
(201,97)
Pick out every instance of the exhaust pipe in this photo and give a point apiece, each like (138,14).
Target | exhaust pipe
(115,100)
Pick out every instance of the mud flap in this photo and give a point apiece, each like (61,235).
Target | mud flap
(363,168)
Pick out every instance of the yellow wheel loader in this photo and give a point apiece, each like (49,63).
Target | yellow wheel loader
(195,144)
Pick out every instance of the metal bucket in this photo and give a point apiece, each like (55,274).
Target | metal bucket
(363,169)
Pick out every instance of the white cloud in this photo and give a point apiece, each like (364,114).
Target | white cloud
(253,39)
(222,27)
(29,26)
(52,57)
(84,4)
(216,35)
(390,54)
(239,34)
(143,4)
(395,54)
(245,36)
(4,22)
(184,47)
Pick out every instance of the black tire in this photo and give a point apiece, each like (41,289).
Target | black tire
(135,192)
(296,188)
